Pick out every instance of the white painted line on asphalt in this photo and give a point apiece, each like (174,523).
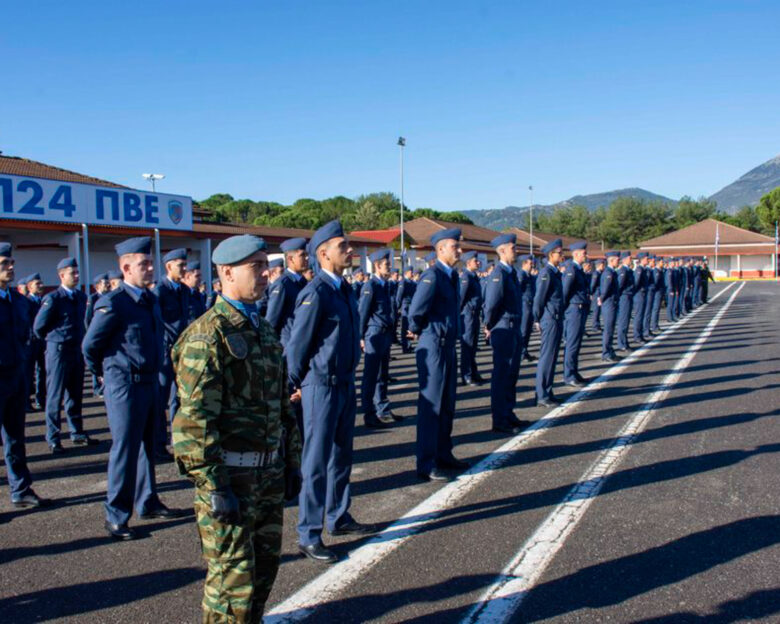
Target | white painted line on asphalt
(501,600)
(327,586)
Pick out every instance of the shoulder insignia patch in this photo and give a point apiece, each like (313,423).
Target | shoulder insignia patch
(496,279)
(201,338)
(427,281)
(237,346)
(305,302)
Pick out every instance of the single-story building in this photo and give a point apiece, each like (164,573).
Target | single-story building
(730,251)
(540,239)
(48,213)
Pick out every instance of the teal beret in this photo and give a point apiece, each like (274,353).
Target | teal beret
(237,248)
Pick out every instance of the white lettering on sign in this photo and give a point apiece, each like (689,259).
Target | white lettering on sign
(37,199)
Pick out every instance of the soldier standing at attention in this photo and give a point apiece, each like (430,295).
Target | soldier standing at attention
(625,300)
(433,318)
(609,302)
(670,285)
(470,312)
(657,289)
(114,279)
(216,287)
(60,322)
(102,286)
(527,292)
(36,363)
(14,337)
(123,348)
(595,282)
(284,291)
(322,355)
(641,276)
(403,300)
(357,282)
(192,280)
(174,299)
(548,312)
(235,437)
(576,299)
(706,277)
(503,311)
(376,336)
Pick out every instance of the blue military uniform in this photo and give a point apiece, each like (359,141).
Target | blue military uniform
(403,300)
(322,355)
(626,299)
(97,389)
(357,284)
(392,289)
(197,298)
(36,358)
(470,307)
(641,276)
(595,284)
(576,299)
(548,312)
(503,309)
(657,288)
(527,294)
(283,293)
(124,345)
(174,302)
(669,289)
(14,342)
(608,293)
(433,317)
(687,287)
(60,322)
(696,291)
(376,330)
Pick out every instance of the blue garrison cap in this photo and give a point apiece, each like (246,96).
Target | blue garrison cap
(598,260)
(67,263)
(193,266)
(100,277)
(380,254)
(468,255)
(31,278)
(576,246)
(139,244)
(502,239)
(625,254)
(642,254)
(612,254)
(525,257)
(275,263)
(293,244)
(237,248)
(332,229)
(357,271)
(175,254)
(552,245)
(430,256)
(445,234)
(115,275)
(5,250)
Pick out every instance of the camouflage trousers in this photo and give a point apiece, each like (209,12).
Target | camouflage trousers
(243,558)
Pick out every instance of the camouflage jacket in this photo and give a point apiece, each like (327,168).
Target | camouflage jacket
(233,393)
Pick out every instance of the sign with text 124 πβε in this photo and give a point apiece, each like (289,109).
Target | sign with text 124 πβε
(37,199)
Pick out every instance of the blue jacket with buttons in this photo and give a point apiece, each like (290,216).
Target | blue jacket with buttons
(61,317)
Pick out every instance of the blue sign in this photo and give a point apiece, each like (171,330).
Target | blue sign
(37,199)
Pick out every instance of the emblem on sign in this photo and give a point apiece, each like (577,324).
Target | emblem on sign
(175,211)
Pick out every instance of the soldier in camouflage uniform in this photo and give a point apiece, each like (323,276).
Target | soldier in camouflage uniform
(235,435)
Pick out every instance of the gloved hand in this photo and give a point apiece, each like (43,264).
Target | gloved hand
(225,507)
(292,483)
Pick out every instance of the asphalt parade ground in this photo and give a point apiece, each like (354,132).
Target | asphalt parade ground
(650,496)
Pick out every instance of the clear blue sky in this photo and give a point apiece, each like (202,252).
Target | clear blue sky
(282,100)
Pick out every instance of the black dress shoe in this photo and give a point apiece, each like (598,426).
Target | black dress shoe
(119,531)
(394,416)
(57,449)
(453,464)
(433,475)
(520,424)
(85,441)
(377,423)
(510,429)
(468,381)
(162,457)
(581,379)
(355,528)
(529,358)
(478,378)
(575,383)
(29,500)
(318,552)
(161,512)
(549,402)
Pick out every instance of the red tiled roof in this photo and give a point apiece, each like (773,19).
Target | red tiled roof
(13,165)
(381,236)
(703,233)
(595,249)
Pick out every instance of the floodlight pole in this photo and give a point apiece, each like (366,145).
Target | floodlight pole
(401,144)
